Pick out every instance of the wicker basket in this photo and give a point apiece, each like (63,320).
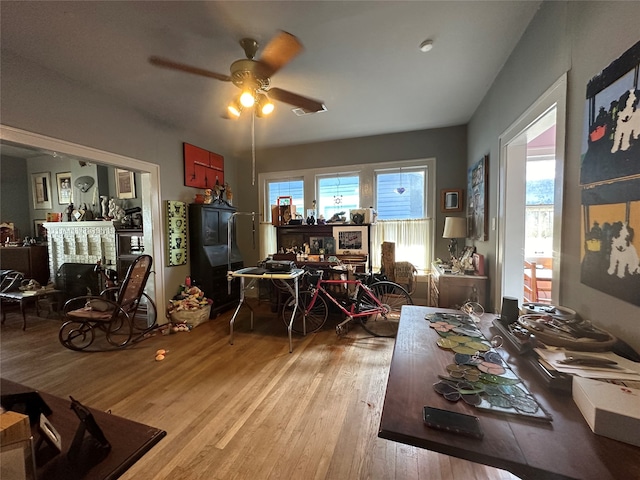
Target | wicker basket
(191,317)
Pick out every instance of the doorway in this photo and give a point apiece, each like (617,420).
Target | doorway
(530,201)
(150,176)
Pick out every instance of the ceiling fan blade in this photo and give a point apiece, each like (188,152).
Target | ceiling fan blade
(279,51)
(163,62)
(309,105)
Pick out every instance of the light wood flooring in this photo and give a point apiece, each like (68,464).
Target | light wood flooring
(251,410)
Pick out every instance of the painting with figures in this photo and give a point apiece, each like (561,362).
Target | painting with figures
(610,180)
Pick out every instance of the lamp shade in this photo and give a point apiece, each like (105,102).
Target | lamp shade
(455,227)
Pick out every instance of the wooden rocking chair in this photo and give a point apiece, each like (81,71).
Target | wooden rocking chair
(113,311)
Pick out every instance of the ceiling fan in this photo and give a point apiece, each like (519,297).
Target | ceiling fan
(253,77)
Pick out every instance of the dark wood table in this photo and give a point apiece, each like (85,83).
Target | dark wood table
(129,441)
(563,448)
(24,298)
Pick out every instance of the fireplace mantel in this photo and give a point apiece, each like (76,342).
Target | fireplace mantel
(80,242)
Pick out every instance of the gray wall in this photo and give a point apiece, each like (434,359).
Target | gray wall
(40,101)
(15,199)
(447,145)
(580,38)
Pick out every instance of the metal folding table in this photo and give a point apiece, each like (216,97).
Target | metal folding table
(290,279)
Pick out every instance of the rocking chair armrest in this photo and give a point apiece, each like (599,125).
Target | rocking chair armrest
(108,290)
(79,302)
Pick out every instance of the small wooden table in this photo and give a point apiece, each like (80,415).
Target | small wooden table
(563,448)
(25,297)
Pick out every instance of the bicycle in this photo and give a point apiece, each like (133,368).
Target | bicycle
(375,305)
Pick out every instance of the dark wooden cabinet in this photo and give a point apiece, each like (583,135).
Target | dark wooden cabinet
(290,236)
(210,255)
(32,261)
(129,244)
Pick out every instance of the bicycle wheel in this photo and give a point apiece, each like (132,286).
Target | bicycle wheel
(314,319)
(392,296)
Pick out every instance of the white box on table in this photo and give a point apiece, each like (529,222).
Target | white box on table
(610,410)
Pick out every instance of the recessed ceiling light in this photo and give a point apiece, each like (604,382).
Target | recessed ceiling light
(426,45)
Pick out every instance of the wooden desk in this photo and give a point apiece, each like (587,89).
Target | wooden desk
(129,441)
(564,448)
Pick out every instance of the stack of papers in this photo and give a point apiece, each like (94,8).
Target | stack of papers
(613,367)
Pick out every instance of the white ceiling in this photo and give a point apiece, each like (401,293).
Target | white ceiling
(361,58)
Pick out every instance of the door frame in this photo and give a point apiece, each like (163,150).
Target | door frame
(556,95)
(152,206)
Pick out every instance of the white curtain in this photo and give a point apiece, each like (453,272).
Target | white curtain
(412,239)
(268,240)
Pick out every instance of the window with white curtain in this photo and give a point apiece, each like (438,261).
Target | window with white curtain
(412,238)
(402,193)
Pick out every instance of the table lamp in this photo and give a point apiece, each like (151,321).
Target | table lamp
(454,228)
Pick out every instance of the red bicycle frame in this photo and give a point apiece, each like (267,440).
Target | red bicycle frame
(376,306)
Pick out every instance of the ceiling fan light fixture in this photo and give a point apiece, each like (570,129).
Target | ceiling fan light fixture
(235,108)
(265,106)
(247,99)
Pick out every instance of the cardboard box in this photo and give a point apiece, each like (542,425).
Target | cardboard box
(14,427)
(610,410)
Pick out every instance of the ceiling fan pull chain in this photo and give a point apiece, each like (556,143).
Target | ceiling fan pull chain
(253,150)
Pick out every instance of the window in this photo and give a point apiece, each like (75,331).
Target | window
(286,188)
(400,195)
(338,194)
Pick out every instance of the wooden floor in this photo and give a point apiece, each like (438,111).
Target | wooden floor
(251,410)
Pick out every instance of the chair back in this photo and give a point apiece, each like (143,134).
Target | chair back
(530,282)
(405,274)
(10,280)
(132,287)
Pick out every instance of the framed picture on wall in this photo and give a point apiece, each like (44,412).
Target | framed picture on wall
(41,185)
(451,200)
(477,219)
(65,192)
(125,184)
(351,239)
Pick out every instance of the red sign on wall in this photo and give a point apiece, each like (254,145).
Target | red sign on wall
(202,169)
